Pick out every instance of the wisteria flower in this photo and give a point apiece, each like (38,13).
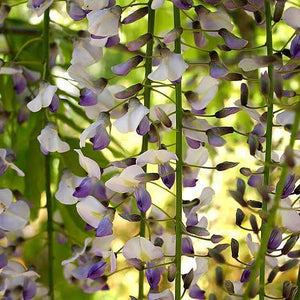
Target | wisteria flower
(142,249)
(66,187)
(84,53)
(43,98)
(13,215)
(94,4)
(89,165)
(50,140)
(104,22)
(291,17)
(131,120)
(155,157)
(172,67)
(164,295)
(5,164)
(39,6)
(97,132)
(289,217)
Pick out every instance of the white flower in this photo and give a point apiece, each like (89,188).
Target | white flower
(202,268)
(91,210)
(164,295)
(101,245)
(13,215)
(105,101)
(43,98)
(215,21)
(289,217)
(89,165)
(195,123)
(10,71)
(104,22)
(286,117)
(50,141)
(131,120)
(94,4)
(206,91)
(39,6)
(125,182)
(8,164)
(66,187)
(77,253)
(142,249)
(292,17)
(172,67)
(153,156)
(84,53)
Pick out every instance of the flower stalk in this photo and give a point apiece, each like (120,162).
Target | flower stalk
(48,164)
(147,98)
(269,129)
(178,98)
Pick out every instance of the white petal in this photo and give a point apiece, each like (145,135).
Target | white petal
(89,165)
(160,73)
(103,22)
(91,210)
(66,188)
(215,21)
(196,156)
(206,196)
(175,66)
(39,10)
(89,132)
(6,198)
(10,71)
(142,249)
(94,4)
(14,167)
(286,117)
(157,4)
(249,64)
(102,245)
(290,218)
(131,120)
(292,17)
(164,295)
(15,217)
(153,156)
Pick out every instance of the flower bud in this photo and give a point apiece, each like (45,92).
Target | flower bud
(219,276)
(216,238)
(171,272)
(216,255)
(275,239)
(226,165)
(291,242)
(279,8)
(227,111)
(162,116)
(199,38)
(272,274)
(214,139)
(288,265)
(129,92)
(124,68)
(172,35)
(289,157)
(239,217)
(158,242)
(294,254)
(265,83)
(286,288)
(258,16)
(187,279)
(139,42)
(234,77)
(244,94)
(231,40)
(235,247)
(183,4)
(254,203)
(217,68)
(229,287)
(253,224)
(147,177)
(245,171)
(136,15)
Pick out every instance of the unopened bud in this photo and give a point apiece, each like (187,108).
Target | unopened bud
(245,171)
(288,265)
(273,274)
(254,203)
(235,247)
(129,92)
(217,256)
(147,177)
(244,94)
(136,15)
(139,42)
(187,279)
(286,288)
(226,165)
(239,217)
(279,8)
(253,224)
(162,116)
(216,238)
(172,35)
(234,77)
(171,272)
(265,83)
(229,287)
(158,242)
(227,111)
(291,242)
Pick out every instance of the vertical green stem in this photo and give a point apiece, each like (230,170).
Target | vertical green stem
(268,226)
(147,98)
(46,74)
(178,166)
(269,44)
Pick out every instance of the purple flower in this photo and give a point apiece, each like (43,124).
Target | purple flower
(20,83)
(97,270)
(295,47)
(75,11)
(139,42)
(54,105)
(124,68)
(100,191)
(105,227)
(167,174)
(275,239)
(153,276)
(183,4)
(289,186)
(143,127)
(217,68)
(85,188)
(87,98)
(136,15)
(196,293)
(231,40)
(112,41)
(187,245)
(29,289)
(143,199)
(101,139)
(3,260)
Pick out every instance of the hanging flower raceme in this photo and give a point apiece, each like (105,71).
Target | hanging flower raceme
(127,182)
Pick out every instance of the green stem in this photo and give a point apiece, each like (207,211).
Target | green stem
(147,97)
(268,159)
(178,166)
(46,74)
(272,213)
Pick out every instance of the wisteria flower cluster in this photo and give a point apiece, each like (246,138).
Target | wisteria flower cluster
(149,149)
